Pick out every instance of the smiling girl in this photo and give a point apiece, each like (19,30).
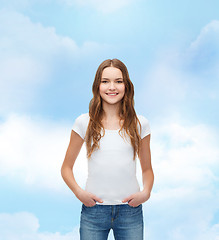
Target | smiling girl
(114,136)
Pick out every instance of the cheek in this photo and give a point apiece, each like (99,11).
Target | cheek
(102,89)
(122,88)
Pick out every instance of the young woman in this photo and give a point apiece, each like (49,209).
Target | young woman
(114,135)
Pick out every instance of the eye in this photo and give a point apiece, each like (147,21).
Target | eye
(120,81)
(103,81)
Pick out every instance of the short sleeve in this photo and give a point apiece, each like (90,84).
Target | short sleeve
(78,126)
(145,126)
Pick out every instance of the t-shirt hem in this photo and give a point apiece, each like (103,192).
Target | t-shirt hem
(110,203)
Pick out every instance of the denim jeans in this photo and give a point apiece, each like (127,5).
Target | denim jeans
(125,221)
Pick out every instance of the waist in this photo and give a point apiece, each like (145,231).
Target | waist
(112,193)
(113,202)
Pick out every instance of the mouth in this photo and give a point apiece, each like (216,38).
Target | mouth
(112,94)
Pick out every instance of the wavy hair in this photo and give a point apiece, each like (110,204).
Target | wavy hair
(127,111)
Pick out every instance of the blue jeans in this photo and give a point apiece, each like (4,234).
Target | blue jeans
(125,221)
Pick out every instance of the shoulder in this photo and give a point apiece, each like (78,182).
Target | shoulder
(80,124)
(82,120)
(83,117)
(145,126)
(142,119)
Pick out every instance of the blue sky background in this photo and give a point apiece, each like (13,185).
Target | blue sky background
(49,53)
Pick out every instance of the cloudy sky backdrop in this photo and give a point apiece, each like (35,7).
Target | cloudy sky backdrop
(49,53)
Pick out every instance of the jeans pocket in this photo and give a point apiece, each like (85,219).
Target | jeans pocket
(88,207)
(89,211)
(136,206)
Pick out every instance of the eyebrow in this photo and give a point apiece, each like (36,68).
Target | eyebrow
(108,78)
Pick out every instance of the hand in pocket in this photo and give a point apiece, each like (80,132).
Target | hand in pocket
(136,199)
(87,198)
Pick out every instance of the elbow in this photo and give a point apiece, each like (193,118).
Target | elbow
(62,171)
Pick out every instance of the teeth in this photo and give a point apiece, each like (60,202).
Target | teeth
(112,94)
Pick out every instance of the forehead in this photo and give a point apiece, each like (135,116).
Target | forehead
(111,72)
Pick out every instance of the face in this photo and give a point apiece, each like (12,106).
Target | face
(112,82)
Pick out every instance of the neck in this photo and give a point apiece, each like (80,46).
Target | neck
(111,112)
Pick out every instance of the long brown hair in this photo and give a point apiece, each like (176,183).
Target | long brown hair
(127,111)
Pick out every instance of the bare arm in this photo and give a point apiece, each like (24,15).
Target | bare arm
(145,161)
(71,155)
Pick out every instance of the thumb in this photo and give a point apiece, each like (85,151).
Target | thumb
(127,199)
(98,199)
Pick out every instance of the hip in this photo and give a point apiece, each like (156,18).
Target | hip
(121,212)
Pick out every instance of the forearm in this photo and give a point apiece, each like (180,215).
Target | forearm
(68,176)
(148,181)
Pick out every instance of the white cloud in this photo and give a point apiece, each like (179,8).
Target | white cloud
(30,54)
(180,79)
(203,54)
(209,35)
(188,153)
(25,226)
(184,159)
(165,87)
(19,35)
(185,196)
(185,154)
(101,6)
(27,55)
(32,152)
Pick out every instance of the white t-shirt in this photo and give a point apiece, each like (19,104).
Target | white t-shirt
(111,169)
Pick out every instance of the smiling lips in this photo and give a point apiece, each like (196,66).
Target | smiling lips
(111,94)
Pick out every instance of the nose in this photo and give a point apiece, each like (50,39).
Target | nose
(112,87)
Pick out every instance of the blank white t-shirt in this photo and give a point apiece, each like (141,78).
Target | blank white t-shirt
(111,169)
